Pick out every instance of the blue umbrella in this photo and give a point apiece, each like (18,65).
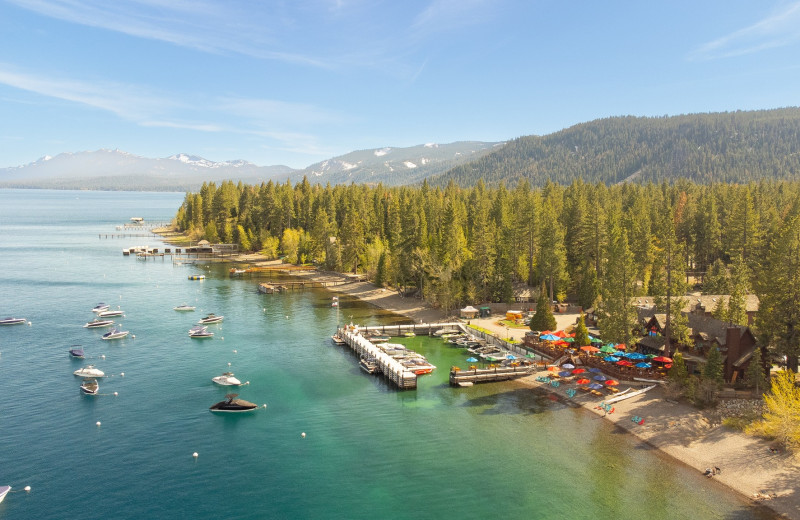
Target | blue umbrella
(643,365)
(595,370)
(636,355)
(595,386)
(600,377)
(471,360)
(565,373)
(568,366)
(549,337)
(511,357)
(612,359)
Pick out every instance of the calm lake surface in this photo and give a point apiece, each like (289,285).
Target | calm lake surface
(370,451)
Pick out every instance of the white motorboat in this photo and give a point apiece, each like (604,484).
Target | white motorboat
(199,331)
(227,379)
(98,323)
(89,371)
(90,386)
(211,318)
(183,308)
(12,321)
(110,314)
(115,333)
(100,307)
(4,491)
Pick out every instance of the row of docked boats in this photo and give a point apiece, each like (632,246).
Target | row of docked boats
(411,360)
(103,312)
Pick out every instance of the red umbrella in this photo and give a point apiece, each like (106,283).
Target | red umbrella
(554,369)
(612,382)
(624,363)
(583,381)
(579,371)
(662,359)
(620,346)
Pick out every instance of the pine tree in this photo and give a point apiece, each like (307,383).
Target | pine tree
(712,371)
(543,318)
(581,333)
(617,315)
(716,279)
(755,377)
(678,373)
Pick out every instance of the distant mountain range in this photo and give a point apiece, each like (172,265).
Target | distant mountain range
(119,170)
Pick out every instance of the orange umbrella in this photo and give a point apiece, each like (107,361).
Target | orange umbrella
(612,382)
(554,369)
(583,381)
(579,371)
(590,348)
(620,346)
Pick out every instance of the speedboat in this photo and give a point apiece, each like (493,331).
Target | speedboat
(76,351)
(115,333)
(378,338)
(89,371)
(100,307)
(12,321)
(4,491)
(90,386)
(227,379)
(183,308)
(368,364)
(200,331)
(211,318)
(97,323)
(232,404)
(109,314)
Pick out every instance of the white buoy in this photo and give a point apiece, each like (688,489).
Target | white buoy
(122,374)
(133,336)
(234,351)
(195,455)
(303,435)
(98,423)
(27,489)
(229,364)
(287,317)
(29,323)
(265,406)
(102,356)
(116,393)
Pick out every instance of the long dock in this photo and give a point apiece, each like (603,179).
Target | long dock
(416,328)
(392,369)
(488,375)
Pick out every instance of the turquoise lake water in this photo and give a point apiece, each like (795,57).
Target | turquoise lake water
(370,451)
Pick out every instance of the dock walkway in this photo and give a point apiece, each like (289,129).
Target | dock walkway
(392,369)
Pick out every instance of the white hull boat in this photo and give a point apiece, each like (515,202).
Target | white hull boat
(115,334)
(96,324)
(12,321)
(211,318)
(183,308)
(200,332)
(110,314)
(100,307)
(4,491)
(89,371)
(227,379)
(90,386)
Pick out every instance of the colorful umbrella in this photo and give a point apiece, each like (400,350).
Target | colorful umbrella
(512,357)
(595,386)
(620,346)
(636,355)
(643,365)
(583,381)
(568,366)
(553,369)
(612,382)
(662,359)
(579,371)
(600,377)
(624,363)
(607,349)
(472,360)
(595,370)
(549,337)
(565,373)
(590,349)
(611,359)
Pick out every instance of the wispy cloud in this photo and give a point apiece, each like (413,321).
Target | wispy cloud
(777,30)
(449,14)
(205,25)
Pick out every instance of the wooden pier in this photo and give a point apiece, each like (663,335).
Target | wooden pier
(391,369)
(416,328)
(488,375)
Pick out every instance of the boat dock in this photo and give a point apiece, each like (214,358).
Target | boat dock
(488,375)
(416,328)
(391,369)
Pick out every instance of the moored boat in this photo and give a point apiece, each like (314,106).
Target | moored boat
(232,404)
(227,379)
(183,308)
(89,371)
(211,318)
(4,491)
(378,338)
(115,333)
(337,339)
(76,351)
(197,277)
(98,323)
(12,321)
(100,307)
(368,364)
(199,331)
(90,386)
(110,313)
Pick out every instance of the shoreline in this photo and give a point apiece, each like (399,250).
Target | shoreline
(677,430)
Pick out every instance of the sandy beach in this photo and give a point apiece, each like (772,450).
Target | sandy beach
(691,436)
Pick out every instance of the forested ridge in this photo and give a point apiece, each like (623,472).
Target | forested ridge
(741,147)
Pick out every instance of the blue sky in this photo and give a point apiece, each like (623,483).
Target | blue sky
(297,81)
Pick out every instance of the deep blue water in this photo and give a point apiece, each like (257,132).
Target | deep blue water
(370,451)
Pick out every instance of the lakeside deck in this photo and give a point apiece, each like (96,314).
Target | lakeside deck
(391,369)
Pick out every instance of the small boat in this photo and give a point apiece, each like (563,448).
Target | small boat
(200,331)
(76,351)
(337,339)
(90,386)
(378,338)
(12,321)
(4,491)
(197,277)
(368,364)
(235,272)
(97,323)
(184,308)
(334,304)
(100,307)
(409,334)
(109,314)
(232,404)
(115,333)
(227,379)
(211,318)
(621,397)
(89,371)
